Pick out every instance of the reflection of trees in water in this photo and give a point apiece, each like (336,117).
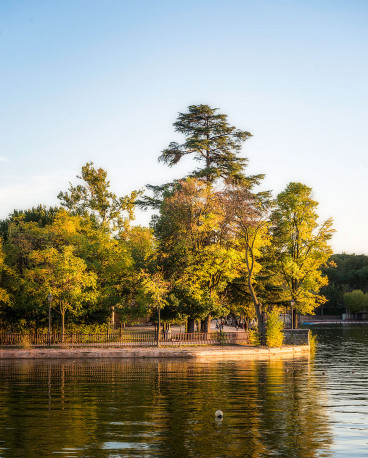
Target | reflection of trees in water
(163,407)
(292,409)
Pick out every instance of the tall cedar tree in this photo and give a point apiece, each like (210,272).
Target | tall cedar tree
(211,141)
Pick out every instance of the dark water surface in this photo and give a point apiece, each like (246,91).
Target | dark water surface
(289,408)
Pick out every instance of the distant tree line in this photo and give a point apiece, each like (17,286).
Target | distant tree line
(347,274)
(216,244)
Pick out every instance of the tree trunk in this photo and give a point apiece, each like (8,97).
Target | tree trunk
(295,319)
(191,325)
(257,304)
(205,324)
(113,318)
(262,328)
(62,326)
(260,315)
(158,326)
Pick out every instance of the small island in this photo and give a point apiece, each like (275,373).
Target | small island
(218,247)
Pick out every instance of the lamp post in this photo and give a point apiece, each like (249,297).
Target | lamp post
(158,326)
(49,298)
(292,303)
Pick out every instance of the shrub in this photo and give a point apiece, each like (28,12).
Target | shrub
(222,339)
(24,342)
(87,328)
(274,335)
(254,337)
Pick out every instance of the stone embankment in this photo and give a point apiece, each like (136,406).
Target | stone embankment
(228,352)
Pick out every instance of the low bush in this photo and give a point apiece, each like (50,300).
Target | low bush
(254,337)
(274,334)
(25,342)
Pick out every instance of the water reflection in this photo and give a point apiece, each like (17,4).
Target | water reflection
(163,408)
(342,363)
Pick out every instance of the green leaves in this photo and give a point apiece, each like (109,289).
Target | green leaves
(213,244)
(94,198)
(62,274)
(4,269)
(274,335)
(193,248)
(211,141)
(300,246)
(155,287)
(356,301)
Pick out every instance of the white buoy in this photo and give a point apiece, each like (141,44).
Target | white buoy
(219,414)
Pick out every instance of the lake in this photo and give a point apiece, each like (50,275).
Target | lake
(117,408)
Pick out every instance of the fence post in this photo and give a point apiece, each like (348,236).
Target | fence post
(158,326)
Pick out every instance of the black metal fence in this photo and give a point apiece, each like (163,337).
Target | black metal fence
(126,338)
(296,336)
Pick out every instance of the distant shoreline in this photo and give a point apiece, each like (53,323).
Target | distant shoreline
(226,352)
(312,322)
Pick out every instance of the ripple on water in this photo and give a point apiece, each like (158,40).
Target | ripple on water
(166,408)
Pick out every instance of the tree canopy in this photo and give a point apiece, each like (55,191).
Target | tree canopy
(249,216)
(217,244)
(211,140)
(345,272)
(300,246)
(62,275)
(194,247)
(93,198)
(356,301)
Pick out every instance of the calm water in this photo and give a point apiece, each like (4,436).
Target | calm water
(290,408)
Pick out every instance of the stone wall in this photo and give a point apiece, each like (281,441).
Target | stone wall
(296,336)
(231,352)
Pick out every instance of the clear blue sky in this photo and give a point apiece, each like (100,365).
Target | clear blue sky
(102,81)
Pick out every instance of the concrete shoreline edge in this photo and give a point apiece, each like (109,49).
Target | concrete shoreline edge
(127,353)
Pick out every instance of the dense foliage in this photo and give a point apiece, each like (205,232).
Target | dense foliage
(356,301)
(216,245)
(347,273)
(300,246)
(274,335)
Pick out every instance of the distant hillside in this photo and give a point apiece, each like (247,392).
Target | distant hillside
(351,272)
